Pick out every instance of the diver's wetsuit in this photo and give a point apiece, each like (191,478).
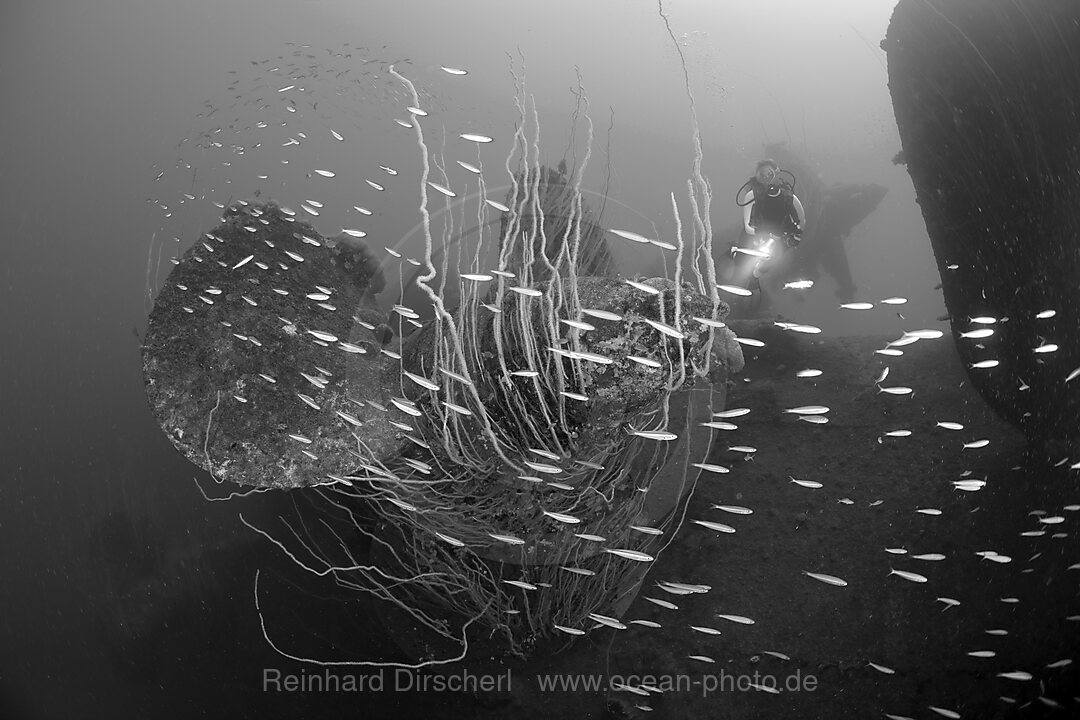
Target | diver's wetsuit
(773,212)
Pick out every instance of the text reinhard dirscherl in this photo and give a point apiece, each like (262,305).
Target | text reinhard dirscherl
(382,680)
(379,680)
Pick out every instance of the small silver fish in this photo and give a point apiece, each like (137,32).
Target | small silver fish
(324,336)
(526,291)
(442,189)
(655,434)
(608,621)
(949,425)
(577,571)
(421,381)
(913,577)
(924,334)
(827,579)
(799,285)
(1015,675)
(647,362)
(735,290)
(521,584)
(402,504)
(406,407)
(562,517)
(808,410)
(700,589)
(456,408)
(741,619)
(601,314)
(631,236)
(348,418)
(508,539)
(661,603)
(708,322)
(643,287)
(719,425)
(665,329)
(734,509)
(719,527)
(629,554)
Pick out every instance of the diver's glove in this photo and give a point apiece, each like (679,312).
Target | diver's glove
(793,240)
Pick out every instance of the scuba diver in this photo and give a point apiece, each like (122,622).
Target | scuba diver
(771,212)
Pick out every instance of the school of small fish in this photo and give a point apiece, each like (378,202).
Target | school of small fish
(453,389)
